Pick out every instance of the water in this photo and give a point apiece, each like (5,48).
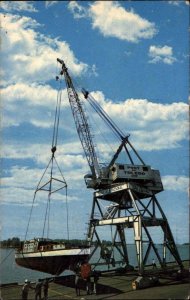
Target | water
(11,272)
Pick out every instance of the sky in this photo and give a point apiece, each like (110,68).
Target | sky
(133,57)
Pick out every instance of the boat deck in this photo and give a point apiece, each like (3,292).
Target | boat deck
(110,286)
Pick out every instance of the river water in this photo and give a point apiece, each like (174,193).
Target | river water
(11,272)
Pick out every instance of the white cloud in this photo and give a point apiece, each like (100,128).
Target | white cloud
(161,54)
(29,56)
(33,98)
(20,184)
(174,2)
(176,183)
(69,154)
(113,20)
(168,122)
(18,6)
(50,3)
(34,94)
(77,10)
(38,104)
(16,195)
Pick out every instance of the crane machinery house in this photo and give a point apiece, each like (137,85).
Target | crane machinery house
(144,173)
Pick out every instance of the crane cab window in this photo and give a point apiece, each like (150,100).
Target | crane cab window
(145,168)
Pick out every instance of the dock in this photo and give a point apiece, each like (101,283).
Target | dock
(110,286)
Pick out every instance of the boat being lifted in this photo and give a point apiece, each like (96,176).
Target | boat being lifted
(49,256)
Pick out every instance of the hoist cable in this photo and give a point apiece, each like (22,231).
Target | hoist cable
(38,188)
(57,118)
(100,111)
(107,119)
(54,144)
(67,210)
(104,116)
(55,121)
(98,126)
(6,256)
(30,215)
(94,106)
(48,200)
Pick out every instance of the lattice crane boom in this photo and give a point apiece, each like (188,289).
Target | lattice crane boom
(81,123)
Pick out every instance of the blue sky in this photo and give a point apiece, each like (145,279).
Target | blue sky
(134,57)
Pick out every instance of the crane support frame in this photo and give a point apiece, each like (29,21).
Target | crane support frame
(132,214)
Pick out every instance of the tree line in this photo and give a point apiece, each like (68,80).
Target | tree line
(15,242)
(10,243)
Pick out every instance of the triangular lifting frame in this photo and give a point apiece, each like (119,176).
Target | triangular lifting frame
(48,186)
(50,183)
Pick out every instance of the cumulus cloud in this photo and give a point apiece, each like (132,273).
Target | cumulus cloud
(29,61)
(77,10)
(176,183)
(15,190)
(161,54)
(168,122)
(29,56)
(33,98)
(70,155)
(50,3)
(112,20)
(174,2)
(18,6)
(34,94)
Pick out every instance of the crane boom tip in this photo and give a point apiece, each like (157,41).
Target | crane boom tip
(60,60)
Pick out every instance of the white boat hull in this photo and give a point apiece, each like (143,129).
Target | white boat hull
(54,261)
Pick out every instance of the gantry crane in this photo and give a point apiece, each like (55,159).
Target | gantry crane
(129,188)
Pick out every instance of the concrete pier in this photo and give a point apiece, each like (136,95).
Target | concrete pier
(110,286)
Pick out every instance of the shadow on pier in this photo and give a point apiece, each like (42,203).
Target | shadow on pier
(69,281)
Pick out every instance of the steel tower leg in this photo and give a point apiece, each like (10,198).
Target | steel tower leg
(137,226)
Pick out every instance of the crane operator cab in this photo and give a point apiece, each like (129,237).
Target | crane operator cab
(97,183)
(141,174)
(119,173)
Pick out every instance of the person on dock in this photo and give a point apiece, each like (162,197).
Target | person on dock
(77,284)
(77,279)
(38,290)
(153,264)
(95,281)
(85,274)
(45,288)
(25,289)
